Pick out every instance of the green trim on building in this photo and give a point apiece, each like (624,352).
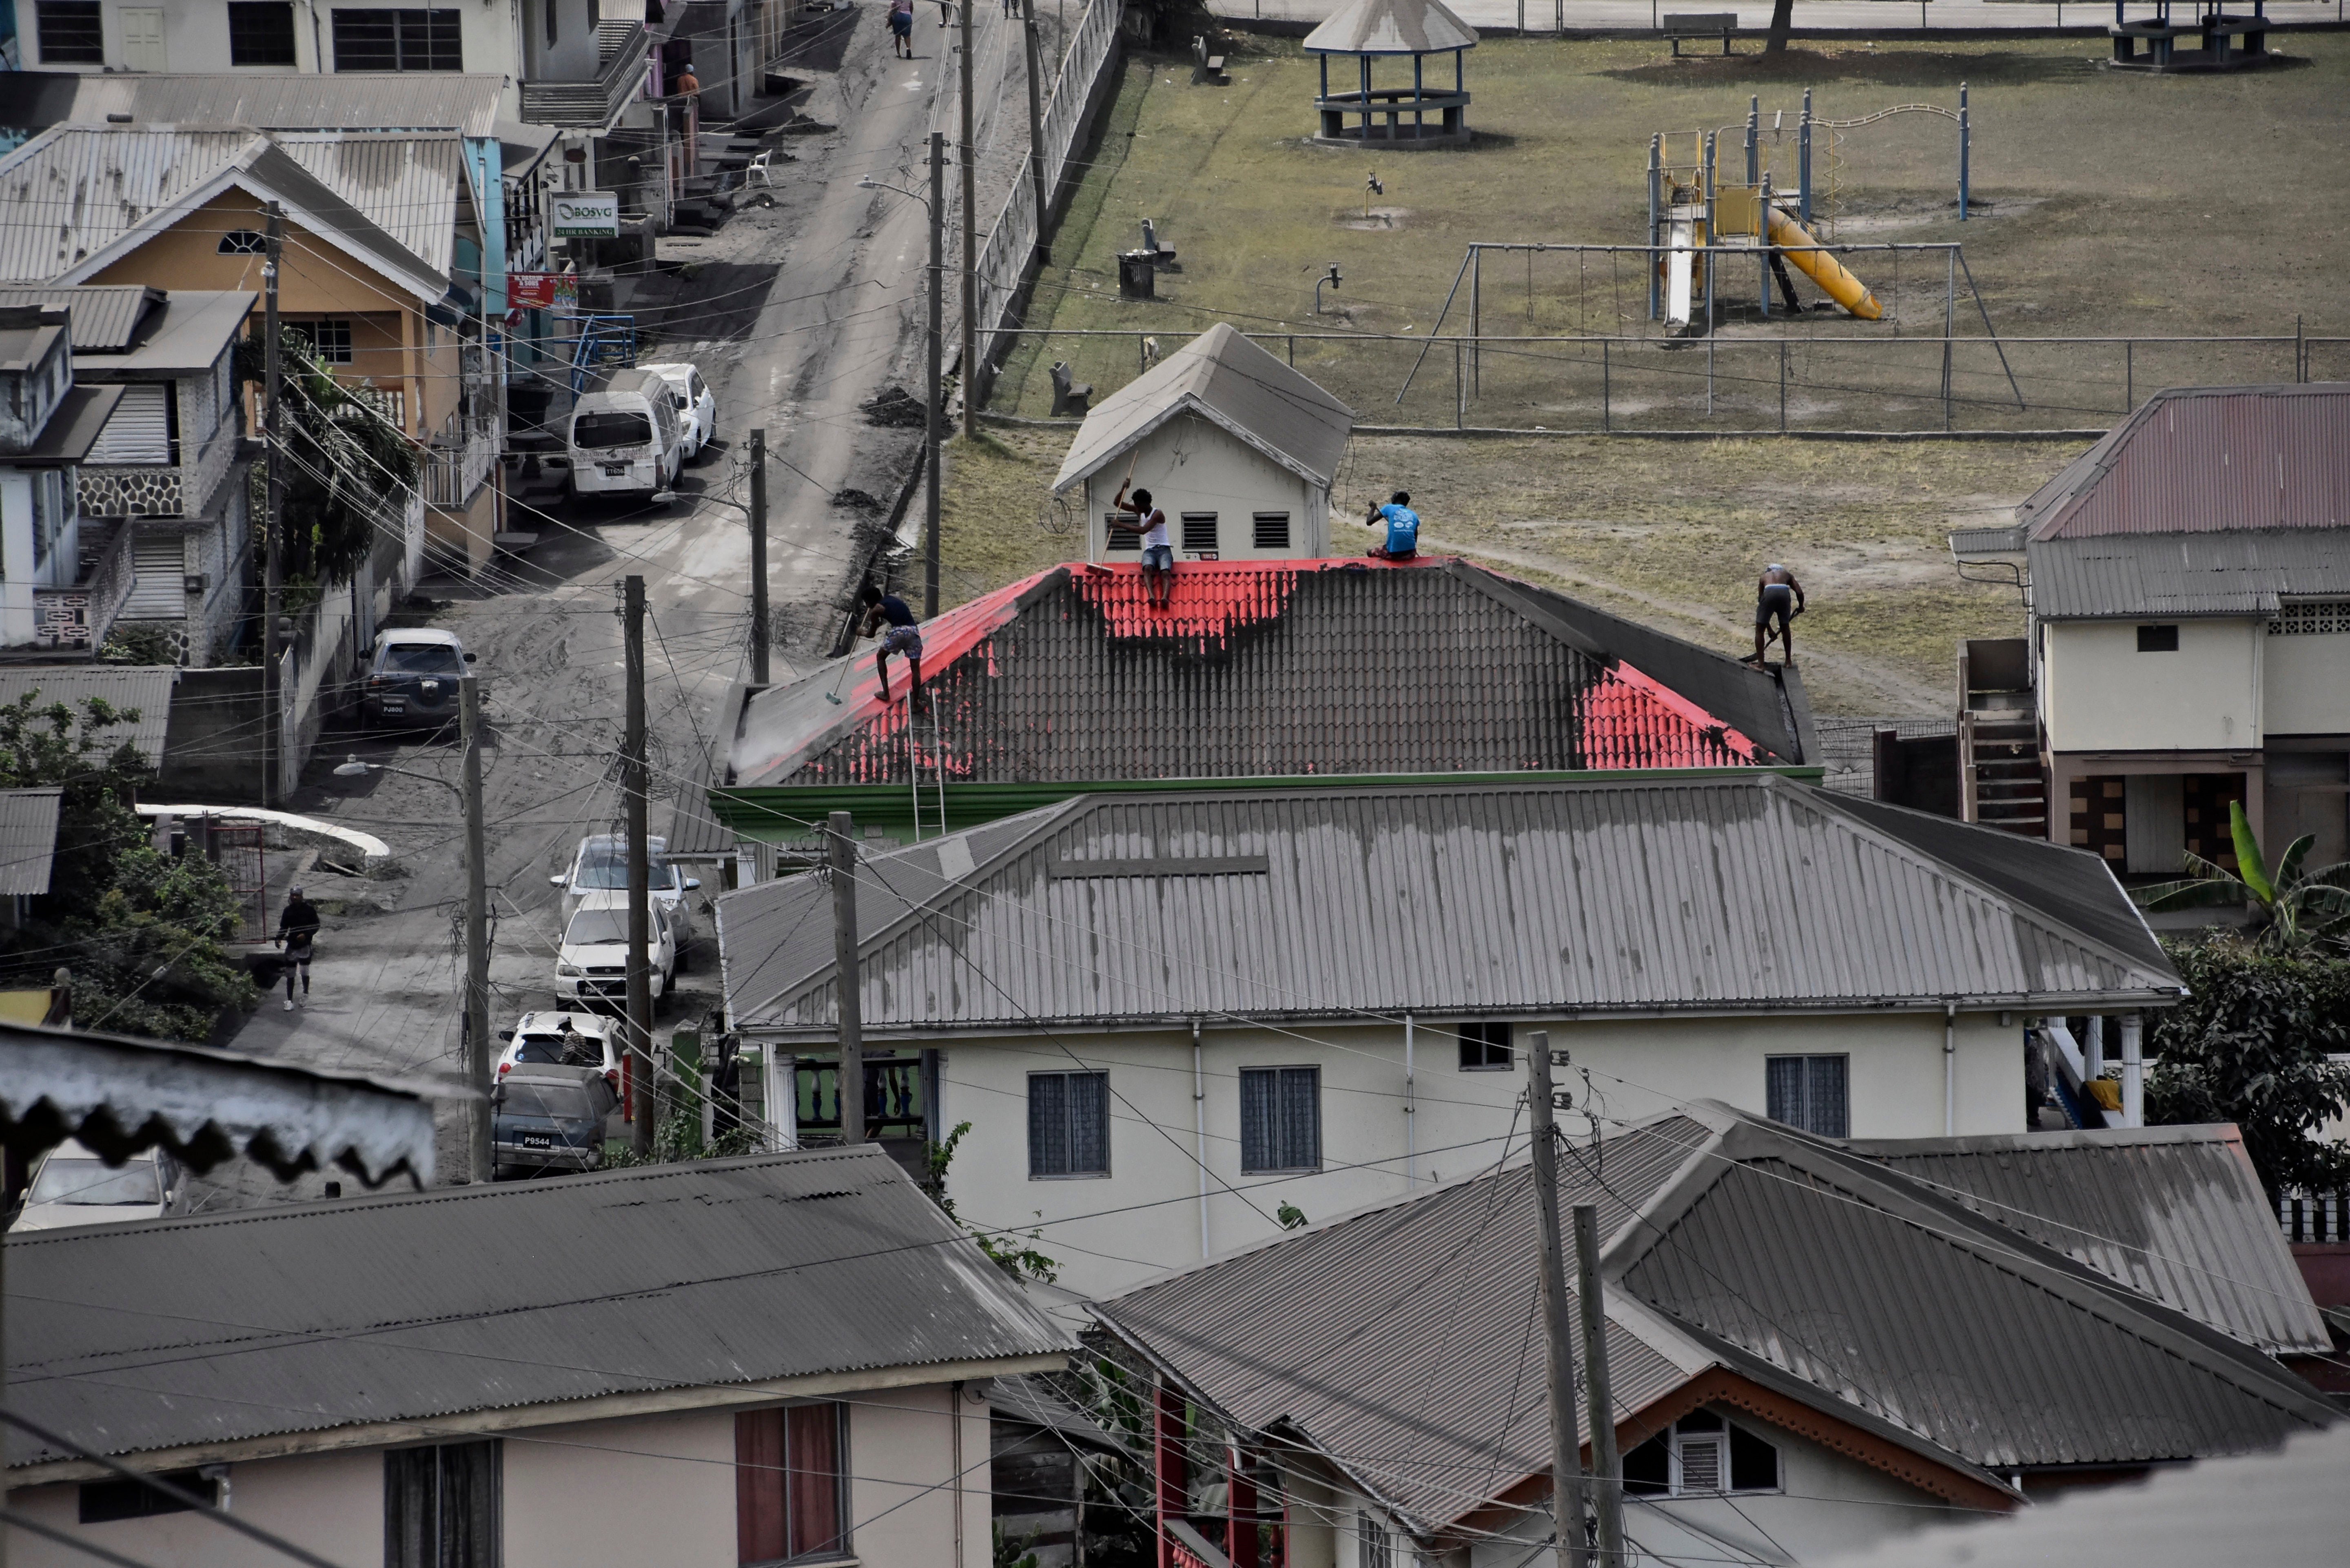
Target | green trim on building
(787,814)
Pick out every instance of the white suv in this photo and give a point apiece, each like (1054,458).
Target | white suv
(537,1040)
(697,408)
(601,866)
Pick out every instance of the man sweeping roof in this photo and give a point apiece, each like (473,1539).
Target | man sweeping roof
(1778,599)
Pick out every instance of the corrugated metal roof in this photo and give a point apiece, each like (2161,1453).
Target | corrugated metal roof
(2202,460)
(2286,1509)
(2176,1213)
(1881,1293)
(146,687)
(295,1318)
(196,328)
(28,839)
(77,196)
(406,185)
(336,100)
(105,316)
(1642,896)
(1229,381)
(2192,574)
(1391,27)
(1396,1338)
(1272,668)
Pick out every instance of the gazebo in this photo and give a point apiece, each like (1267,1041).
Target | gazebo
(1368,28)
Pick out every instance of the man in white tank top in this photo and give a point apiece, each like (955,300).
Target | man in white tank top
(1158,549)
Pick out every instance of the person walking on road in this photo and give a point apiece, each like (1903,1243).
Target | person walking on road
(296,927)
(1403,523)
(1778,597)
(902,29)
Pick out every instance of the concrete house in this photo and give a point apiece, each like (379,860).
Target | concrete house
(1166,1016)
(698,1365)
(1317,673)
(1815,1347)
(1236,447)
(61,585)
(168,464)
(2190,640)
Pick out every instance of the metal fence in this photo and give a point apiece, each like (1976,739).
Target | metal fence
(1809,381)
(1010,244)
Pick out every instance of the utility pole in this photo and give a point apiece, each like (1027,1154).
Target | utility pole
(759,634)
(640,876)
(965,154)
(272,719)
(1558,1331)
(477,929)
(935,424)
(841,857)
(1037,129)
(1599,1393)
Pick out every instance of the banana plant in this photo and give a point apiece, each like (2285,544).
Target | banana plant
(2297,906)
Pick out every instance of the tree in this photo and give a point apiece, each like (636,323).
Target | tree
(142,933)
(2296,906)
(1783,22)
(2250,1045)
(344,462)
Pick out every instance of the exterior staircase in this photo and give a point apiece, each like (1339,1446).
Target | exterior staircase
(2002,783)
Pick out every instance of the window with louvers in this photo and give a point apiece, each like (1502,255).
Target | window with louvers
(1271,531)
(138,431)
(1281,1119)
(1120,538)
(1199,530)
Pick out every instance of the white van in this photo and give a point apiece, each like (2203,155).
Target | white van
(625,440)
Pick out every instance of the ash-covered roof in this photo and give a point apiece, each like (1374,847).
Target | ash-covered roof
(28,839)
(707,1277)
(1272,668)
(1391,27)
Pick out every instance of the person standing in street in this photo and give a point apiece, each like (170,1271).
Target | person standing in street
(298,927)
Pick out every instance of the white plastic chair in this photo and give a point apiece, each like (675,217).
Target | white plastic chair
(756,174)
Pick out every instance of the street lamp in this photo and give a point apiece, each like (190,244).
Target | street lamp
(936,202)
(477,913)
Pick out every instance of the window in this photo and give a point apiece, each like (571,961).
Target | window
(441,1506)
(1068,1124)
(245,242)
(551,7)
(103,1502)
(1808,1092)
(1118,538)
(399,40)
(1199,531)
(261,32)
(139,431)
(1281,1119)
(329,340)
(2308,618)
(51,515)
(789,1497)
(71,33)
(1702,1453)
(1485,1047)
(1377,1549)
(2157,639)
(1272,531)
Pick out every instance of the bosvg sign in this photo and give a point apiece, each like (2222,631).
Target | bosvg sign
(587,215)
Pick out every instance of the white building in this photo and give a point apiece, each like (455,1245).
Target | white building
(1237,448)
(1170,1017)
(698,1365)
(61,584)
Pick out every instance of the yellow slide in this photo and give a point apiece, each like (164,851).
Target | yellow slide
(1824,269)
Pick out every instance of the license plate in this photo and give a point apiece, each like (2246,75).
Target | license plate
(537,1140)
(614,470)
(395,707)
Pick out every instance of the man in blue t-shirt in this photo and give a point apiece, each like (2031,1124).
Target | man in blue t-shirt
(904,639)
(1402,525)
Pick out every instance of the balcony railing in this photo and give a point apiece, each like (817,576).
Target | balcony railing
(181,489)
(591,104)
(81,616)
(455,471)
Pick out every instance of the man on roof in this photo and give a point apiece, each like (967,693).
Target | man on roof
(1403,523)
(1158,549)
(904,636)
(1779,597)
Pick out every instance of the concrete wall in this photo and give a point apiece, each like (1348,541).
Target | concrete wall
(2099,693)
(211,750)
(638,1490)
(1189,465)
(2307,681)
(18,621)
(1369,1143)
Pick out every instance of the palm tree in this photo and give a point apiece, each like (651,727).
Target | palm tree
(2297,906)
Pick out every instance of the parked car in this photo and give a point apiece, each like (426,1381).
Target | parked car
(592,965)
(600,864)
(72,1186)
(547,1120)
(625,440)
(537,1040)
(697,406)
(411,679)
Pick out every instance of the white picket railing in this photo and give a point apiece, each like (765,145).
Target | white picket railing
(1005,255)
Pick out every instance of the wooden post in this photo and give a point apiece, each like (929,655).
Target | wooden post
(1558,1332)
(1173,1490)
(842,862)
(1599,1399)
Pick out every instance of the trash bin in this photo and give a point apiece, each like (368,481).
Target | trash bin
(1138,276)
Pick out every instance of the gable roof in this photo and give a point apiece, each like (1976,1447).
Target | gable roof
(1641,896)
(80,197)
(1391,27)
(1230,381)
(1275,668)
(1729,1243)
(307,1318)
(137,329)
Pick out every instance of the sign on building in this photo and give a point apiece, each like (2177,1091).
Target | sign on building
(555,291)
(587,215)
